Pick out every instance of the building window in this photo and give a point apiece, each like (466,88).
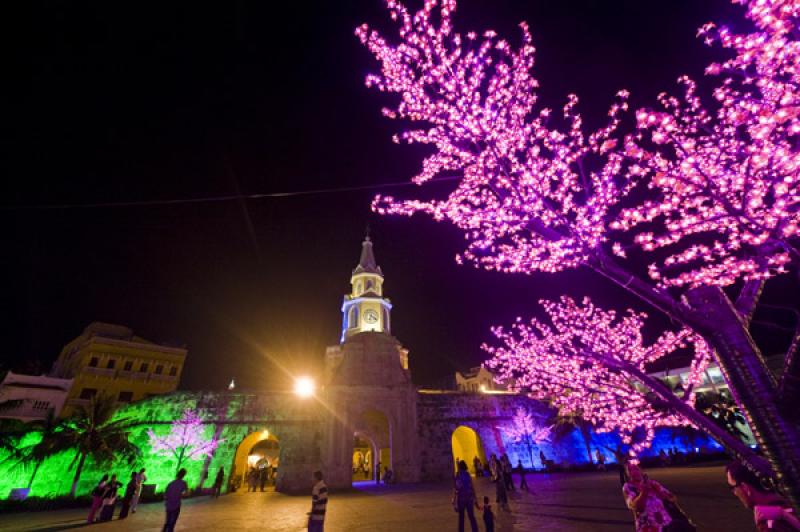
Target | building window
(173,371)
(128,365)
(159,369)
(125,397)
(41,405)
(88,393)
(93,362)
(111,363)
(143,367)
(353,321)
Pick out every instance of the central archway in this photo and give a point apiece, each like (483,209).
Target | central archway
(467,446)
(372,447)
(257,460)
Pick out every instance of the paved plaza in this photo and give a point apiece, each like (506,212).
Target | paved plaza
(564,502)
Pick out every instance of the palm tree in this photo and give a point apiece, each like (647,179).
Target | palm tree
(49,430)
(92,433)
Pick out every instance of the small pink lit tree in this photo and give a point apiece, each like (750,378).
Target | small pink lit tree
(710,195)
(185,440)
(525,431)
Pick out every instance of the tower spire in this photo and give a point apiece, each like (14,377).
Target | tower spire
(367,263)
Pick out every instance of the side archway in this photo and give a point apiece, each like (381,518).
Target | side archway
(257,458)
(467,446)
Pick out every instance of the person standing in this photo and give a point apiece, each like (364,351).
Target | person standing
(507,478)
(770,510)
(645,498)
(601,460)
(523,484)
(543,460)
(252,479)
(127,498)
(488,515)
(140,478)
(109,499)
(464,497)
(218,482)
(262,477)
(172,500)
(319,504)
(97,498)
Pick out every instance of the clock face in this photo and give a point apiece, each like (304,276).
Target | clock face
(370,316)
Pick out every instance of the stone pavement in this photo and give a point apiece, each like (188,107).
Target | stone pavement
(563,502)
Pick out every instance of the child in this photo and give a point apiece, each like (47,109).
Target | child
(488,516)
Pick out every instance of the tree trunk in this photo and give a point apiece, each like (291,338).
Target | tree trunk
(33,475)
(587,441)
(752,385)
(209,457)
(78,470)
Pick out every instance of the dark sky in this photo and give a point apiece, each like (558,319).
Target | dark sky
(124,101)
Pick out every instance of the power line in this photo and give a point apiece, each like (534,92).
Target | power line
(176,201)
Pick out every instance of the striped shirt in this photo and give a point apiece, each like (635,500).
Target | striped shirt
(319,501)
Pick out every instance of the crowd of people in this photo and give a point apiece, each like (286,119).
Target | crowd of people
(106,493)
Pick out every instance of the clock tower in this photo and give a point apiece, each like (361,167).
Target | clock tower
(365,309)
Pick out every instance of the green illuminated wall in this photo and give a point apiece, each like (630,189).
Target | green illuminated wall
(238,415)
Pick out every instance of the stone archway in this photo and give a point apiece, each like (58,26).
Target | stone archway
(466,445)
(259,450)
(373,433)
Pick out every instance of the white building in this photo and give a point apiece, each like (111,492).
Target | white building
(478,379)
(30,397)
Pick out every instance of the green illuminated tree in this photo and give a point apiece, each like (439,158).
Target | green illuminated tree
(49,429)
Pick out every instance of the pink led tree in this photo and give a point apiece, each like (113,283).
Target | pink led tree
(589,361)
(525,431)
(539,194)
(185,440)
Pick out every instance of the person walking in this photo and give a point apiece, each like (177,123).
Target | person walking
(262,478)
(218,482)
(127,498)
(523,484)
(319,504)
(172,500)
(543,460)
(97,498)
(252,480)
(476,463)
(109,499)
(464,497)
(140,479)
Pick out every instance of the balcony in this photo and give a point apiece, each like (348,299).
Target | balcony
(163,378)
(132,375)
(99,372)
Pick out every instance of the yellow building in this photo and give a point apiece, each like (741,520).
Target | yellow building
(109,359)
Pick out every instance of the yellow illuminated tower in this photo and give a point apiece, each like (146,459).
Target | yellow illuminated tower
(365,309)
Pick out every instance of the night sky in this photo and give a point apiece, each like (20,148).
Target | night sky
(128,102)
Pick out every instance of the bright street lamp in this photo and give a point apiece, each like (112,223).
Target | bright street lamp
(304,387)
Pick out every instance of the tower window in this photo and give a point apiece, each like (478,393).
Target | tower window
(353,320)
(93,362)
(370,285)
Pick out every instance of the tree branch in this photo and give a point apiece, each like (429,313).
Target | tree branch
(748,298)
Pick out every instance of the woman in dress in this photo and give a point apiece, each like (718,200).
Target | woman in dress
(645,498)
